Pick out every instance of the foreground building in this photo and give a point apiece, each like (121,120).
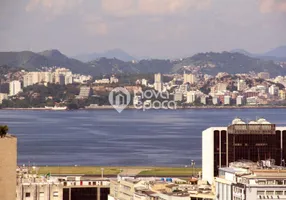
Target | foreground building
(8,165)
(253,141)
(249,181)
(34,187)
(158,189)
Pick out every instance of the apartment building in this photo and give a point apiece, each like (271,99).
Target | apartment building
(189,78)
(34,187)
(14,88)
(251,181)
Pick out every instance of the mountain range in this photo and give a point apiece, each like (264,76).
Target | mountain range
(114,53)
(209,63)
(277,54)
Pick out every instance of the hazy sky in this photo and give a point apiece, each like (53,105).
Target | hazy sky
(142,27)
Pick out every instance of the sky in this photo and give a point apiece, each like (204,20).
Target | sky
(154,28)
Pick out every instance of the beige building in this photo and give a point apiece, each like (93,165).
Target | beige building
(190,78)
(8,165)
(3,96)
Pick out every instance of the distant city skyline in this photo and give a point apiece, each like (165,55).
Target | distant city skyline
(153,28)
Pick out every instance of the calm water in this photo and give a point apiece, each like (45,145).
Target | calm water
(104,137)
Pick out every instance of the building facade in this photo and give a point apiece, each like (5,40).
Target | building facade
(247,183)
(254,141)
(14,88)
(8,165)
(3,96)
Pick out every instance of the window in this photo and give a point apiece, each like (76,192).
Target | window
(278,192)
(41,194)
(269,192)
(279,182)
(260,192)
(260,182)
(270,182)
(27,194)
(56,194)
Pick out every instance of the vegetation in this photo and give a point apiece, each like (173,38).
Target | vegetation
(3,130)
(96,170)
(208,63)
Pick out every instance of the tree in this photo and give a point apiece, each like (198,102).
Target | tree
(3,131)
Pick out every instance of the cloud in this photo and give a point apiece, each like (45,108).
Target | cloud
(152,7)
(269,6)
(53,7)
(95,25)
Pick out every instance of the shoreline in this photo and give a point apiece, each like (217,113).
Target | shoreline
(178,108)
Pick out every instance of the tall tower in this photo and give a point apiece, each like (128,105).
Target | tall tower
(158,84)
(8,165)
(15,87)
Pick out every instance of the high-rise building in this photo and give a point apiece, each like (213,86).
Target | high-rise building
(239,100)
(227,100)
(215,100)
(14,88)
(158,83)
(31,78)
(254,141)
(189,78)
(8,165)
(191,97)
(158,78)
(204,100)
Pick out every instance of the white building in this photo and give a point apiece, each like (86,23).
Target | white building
(239,100)
(102,81)
(158,83)
(215,100)
(219,149)
(158,78)
(31,78)
(250,182)
(273,90)
(68,79)
(3,96)
(178,96)
(191,97)
(158,86)
(204,100)
(227,100)
(14,88)
(144,82)
(113,79)
(189,78)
